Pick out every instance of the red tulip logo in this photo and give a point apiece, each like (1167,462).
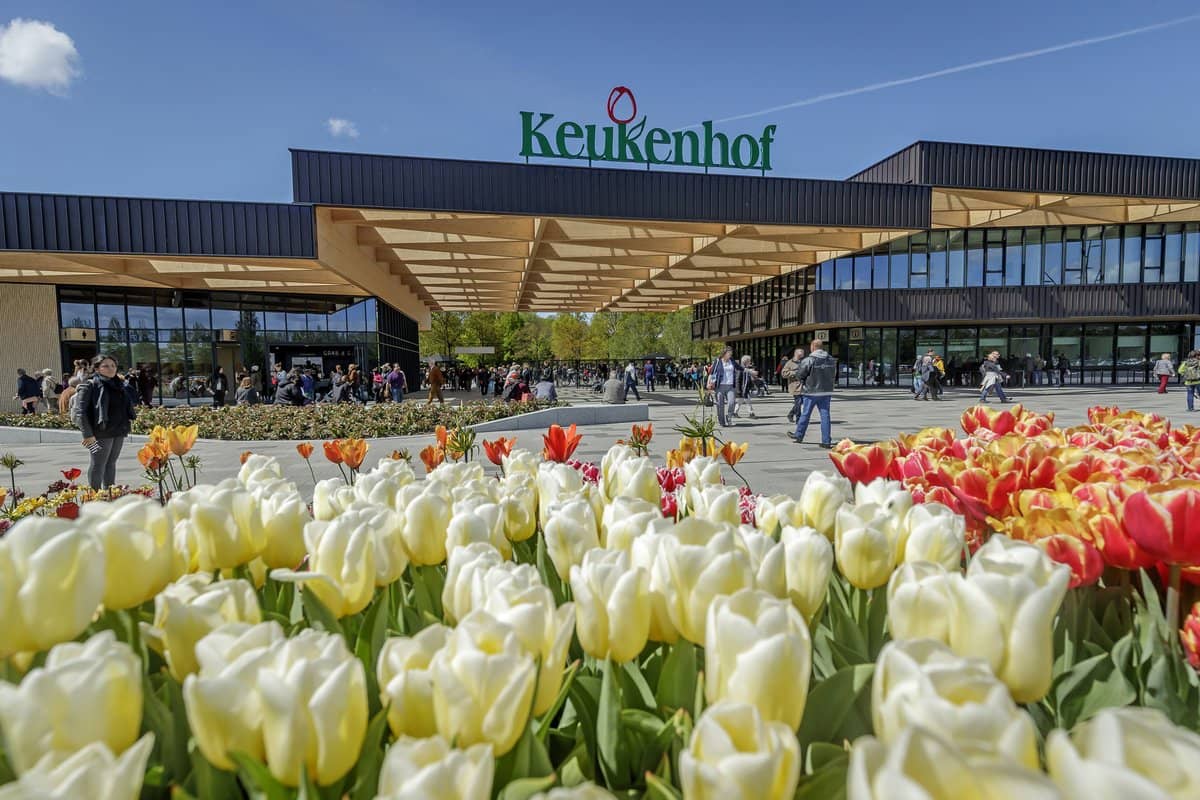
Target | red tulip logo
(615,96)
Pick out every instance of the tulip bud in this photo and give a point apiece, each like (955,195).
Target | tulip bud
(521,462)
(921,601)
(715,503)
(1004,613)
(224,523)
(477,522)
(758,651)
(697,562)
(702,471)
(933,532)
(52,580)
(518,506)
(609,484)
(139,555)
(1125,752)
(624,519)
(612,605)
(768,559)
(517,597)
(772,513)
(823,494)
(735,755)
(483,684)
(430,768)
(92,771)
(341,564)
(258,469)
(928,766)
(923,683)
(426,518)
(864,545)
(406,682)
(284,515)
(89,692)
(189,609)
(330,498)
(464,573)
(808,563)
(570,531)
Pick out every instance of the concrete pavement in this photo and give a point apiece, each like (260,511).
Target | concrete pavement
(773,463)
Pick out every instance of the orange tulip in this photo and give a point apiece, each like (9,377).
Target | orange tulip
(153,454)
(399,455)
(559,444)
(352,451)
(733,453)
(1190,636)
(1061,533)
(246,454)
(497,450)
(431,456)
(443,436)
(181,438)
(305,449)
(864,463)
(333,451)
(1164,520)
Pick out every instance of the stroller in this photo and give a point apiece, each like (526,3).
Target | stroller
(758,387)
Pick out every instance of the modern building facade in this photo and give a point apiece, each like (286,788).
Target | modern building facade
(961,248)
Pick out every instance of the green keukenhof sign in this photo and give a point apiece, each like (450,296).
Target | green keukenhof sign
(631,142)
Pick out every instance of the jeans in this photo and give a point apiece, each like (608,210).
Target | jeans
(102,471)
(820,402)
(397,394)
(1192,390)
(797,403)
(649,383)
(999,393)
(726,397)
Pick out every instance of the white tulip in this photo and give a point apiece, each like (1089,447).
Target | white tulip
(478,523)
(426,518)
(774,512)
(702,471)
(638,477)
(715,503)
(890,496)
(921,602)
(768,559)
(570,531)
(259,469)
(624,519)
(189,609)
(864,544)
(465,570)
(429,769)
(406,682)
(521,462)
(284,515)
(555,482)
(331,497)
(92,771)
(612,605)
(808,563)
(341,564)
(735,755)
(933,532)
(610,485)
(823,494)
(139,548)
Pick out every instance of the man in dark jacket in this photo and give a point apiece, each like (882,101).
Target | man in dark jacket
(817,373)
(292,392)
(29,390)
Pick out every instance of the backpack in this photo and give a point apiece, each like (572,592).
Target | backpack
(1191,371)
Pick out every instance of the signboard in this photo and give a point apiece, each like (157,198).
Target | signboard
(478,351)
(630,142)
(822,335)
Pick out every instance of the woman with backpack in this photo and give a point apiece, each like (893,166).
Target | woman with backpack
(1190,370)
(103,413)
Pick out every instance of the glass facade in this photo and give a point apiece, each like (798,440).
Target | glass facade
(182,337)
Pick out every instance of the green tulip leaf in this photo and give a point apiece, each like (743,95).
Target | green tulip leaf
(656,787)
(366,772)
(318,614)
(635,689)
(525,788)
(839,708)
(826,783)
(613,753)
(527,759)
(677,683)
(584,696)
(257,779)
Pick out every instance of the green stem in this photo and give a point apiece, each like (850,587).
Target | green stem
(740,475)
(183,469)
(1173,585)
(311,471)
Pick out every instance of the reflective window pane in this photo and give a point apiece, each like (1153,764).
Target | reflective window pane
(1172,253)
(1191,252)
(1012,257)
(1033,256)
(937,259)
(879,268)
(141,323)
(1092,258)
(862,272)
(1112,255)
(994,258)
(898,267)
(844,276)
(957,254)
(354,312)
(974,258)
(225,318)
(169,317)
(77,315)
(1132,254)
(1052,260)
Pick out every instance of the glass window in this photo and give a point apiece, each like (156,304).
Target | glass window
(141,323)
(225,318)
(994,258)
(962,347)
(1168,337)
(1172,253)
(197,319)
(937,260)
(337,320)
(1033,256)
(862,272)
(317,322)
(930,339)
(275,320)
(906,353)
(1073,268)
(369,309)
(169,317)
(1112,255)
(993,338)
(1191,252)
(77,315)
(1098,346)
(899,265)
(845,273)
(1131,352)
(111,317)
(879,268)
(918,268)
(1132,257)
(1012,257)
(1053,257)
(957,241)
(974,258)
(1024,340)
(1092,259)
(1067,342)
(297,322)
(824,283)
(1152,254)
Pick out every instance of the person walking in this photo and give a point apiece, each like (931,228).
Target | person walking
(28,392)
(1189,370)
(1063,365)
(745,384)
(247,395)
(648,375)
(787,374)
(220,386)
(436,381)
(65,404)
(723,379)
(928,373)
(104,412)
(397,382)
(49,389)
(993,377)
(1164,370)
(817,372)
(631,382)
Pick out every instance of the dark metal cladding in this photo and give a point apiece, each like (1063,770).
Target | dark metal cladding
(1022,169)
(139,226)
(402,182)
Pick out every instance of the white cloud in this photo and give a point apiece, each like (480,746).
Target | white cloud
(37,55)
(341,127)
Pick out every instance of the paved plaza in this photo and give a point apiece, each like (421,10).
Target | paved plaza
(773,463)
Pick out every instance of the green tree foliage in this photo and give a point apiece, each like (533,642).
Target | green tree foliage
(568,336)
(444,334)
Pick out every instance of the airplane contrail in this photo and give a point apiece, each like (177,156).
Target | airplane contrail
(874,87)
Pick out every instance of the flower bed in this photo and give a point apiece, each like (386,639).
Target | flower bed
(599,630)
(321,420)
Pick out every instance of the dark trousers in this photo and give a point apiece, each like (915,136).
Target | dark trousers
(102,471)
(219,397)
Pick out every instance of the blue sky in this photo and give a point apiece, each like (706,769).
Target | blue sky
(175,100)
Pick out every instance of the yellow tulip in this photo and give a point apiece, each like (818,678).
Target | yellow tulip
(612,605)
(624,519)
(223,522)
(735,755)
(820,498)
(181,438)
(430,768)
(808,563)
(426,518)
(483,684)
(465,571)
(139,548)
(331,497)
(341,564)
(284,515)
(715,503)
(406,682)
(477,522)
(191,608)
(758,651)
(570,531)
(89,692)
(92,771)
(52,580)
(933,532)
(921,601)
(864,545)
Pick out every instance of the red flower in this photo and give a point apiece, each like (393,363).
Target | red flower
(559,443)
(998,421)
(246,454)
(431,456)
(305,449)
(67,510)
(864,463)
(1190,636)
(669,505)
(333,451)
(71,474)
(497,450)
(1165,521)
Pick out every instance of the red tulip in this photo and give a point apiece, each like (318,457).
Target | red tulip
(497,450)
(864,463)
(559,443)
(72,473)
(67,510)
(1164,521)
(1190,636)
(998,421)
(333,451)
(305,449)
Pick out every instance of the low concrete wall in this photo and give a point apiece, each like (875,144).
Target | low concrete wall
(14,435)
(568,415)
